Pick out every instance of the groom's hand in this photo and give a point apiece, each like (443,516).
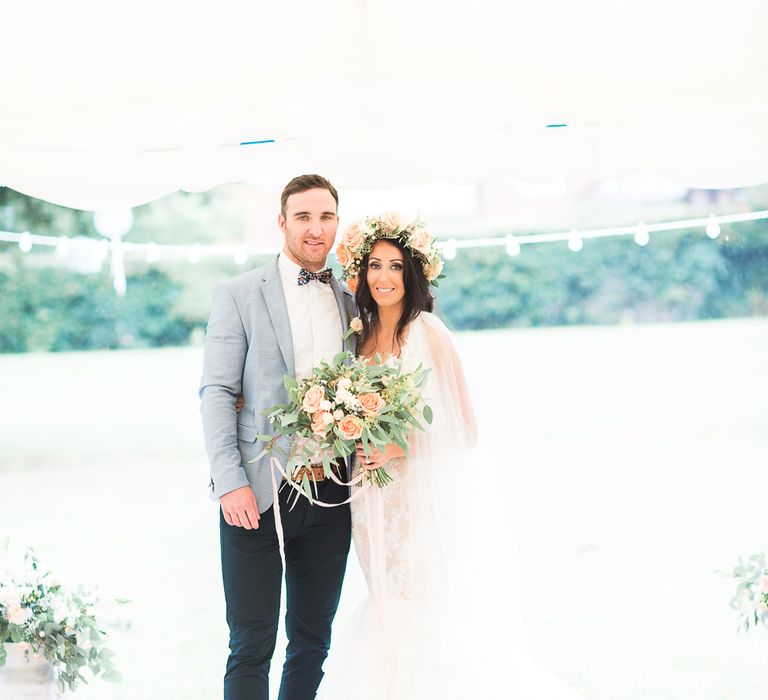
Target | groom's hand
(239,508)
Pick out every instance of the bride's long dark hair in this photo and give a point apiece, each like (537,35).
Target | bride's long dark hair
(417,296)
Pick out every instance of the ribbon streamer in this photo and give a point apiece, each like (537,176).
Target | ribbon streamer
(378,566)
(276,506)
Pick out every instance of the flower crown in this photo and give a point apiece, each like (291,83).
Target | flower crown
(360,237)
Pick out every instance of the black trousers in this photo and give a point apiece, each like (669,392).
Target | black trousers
(317,542)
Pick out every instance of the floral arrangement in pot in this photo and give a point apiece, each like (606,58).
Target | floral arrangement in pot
(42,615)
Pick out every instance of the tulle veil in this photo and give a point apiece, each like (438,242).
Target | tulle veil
(458,630)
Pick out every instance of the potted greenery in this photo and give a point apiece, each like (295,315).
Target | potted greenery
(49,632)
(751,597)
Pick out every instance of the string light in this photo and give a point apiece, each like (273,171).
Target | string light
(713,228)
(25,242)
(642,237)
(449,249)
(153,252)
(574,241)
(241,256)
(63,246)
(513,247)
(194,252)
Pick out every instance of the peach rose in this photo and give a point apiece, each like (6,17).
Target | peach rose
(343,255)
(433,271)
(421,240)
(372,403)
(350,428)
(320,421)
(356,325)
(391,220)
(313,398)
(353,237)
(352,283)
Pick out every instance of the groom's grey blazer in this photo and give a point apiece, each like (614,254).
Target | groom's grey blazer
(248,349)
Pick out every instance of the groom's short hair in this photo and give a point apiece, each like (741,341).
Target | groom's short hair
(302,183)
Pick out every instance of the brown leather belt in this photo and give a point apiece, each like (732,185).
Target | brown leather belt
(316,472)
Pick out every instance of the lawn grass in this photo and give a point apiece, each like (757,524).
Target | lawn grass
(635,463)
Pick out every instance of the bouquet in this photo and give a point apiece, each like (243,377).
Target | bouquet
(39,610)
(751,596)
(344,402)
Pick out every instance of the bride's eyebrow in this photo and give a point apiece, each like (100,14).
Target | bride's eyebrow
(371,259)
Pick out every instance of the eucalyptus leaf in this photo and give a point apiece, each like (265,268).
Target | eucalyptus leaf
(112,676)
(289,382)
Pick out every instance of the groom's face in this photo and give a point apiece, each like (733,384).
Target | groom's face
(309,226)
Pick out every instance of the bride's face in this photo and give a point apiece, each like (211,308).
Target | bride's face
(385,274)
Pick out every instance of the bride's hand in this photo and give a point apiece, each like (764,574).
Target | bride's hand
(376,458)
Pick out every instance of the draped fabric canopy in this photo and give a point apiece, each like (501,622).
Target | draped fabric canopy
(108,105)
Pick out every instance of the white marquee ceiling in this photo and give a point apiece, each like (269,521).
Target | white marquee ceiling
(108,105)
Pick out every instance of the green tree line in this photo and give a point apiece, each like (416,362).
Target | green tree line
(678,276)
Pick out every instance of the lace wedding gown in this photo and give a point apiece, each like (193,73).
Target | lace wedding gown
(439,621)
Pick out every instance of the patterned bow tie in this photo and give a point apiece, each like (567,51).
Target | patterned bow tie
(324,276)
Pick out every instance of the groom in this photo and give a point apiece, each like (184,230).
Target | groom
(282,318)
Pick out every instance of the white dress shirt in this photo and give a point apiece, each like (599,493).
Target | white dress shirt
(316,325)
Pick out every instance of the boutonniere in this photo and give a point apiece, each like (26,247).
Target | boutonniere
(355,326)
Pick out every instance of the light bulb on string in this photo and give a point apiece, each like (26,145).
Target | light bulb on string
(241,256)
(25,242)
(449,250)
(153,252)
(63,246)
(574,241)
(194,254)
(513,246)
(713,228)
(642,237)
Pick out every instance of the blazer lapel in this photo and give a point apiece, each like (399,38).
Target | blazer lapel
(346,305)
(274,297)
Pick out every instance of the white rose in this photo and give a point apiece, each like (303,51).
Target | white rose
(347,398)
(338,414)
(10,597)
(60,611)
(341,394)
(344,383)
(18,615)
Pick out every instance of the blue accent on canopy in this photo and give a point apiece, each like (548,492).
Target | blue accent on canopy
(254,143)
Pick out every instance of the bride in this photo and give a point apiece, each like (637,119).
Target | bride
(439,620)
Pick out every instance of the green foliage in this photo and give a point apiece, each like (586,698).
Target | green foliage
(47,308)
(676,277)
(57,621)
(750,600)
